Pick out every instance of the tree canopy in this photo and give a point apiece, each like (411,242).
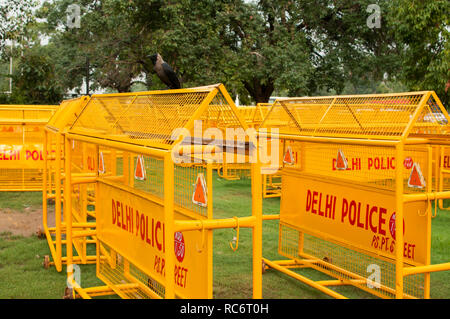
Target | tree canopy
(257,48)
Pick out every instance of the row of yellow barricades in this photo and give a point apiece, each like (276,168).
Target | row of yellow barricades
(132,175)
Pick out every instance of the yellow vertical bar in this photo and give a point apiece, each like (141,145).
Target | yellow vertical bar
(58,189)
(225,167)
(257,229)
(264,181)
(68,207)
(49,166)
(209,183)
(441,175)
(44,175)
(428,217)
(169,225)
(399,223)
(97,249)
(97,242)
(83,199)
(23,143)
(44,185)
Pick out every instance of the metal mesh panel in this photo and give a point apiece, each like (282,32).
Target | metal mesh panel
(307,113)
(21,157)
(124,278)
(20,179)
(152,117)
(432,119)
(382,116)
(349,260)
(372,166)
(261,112)
(66,114)
(154,171)
(277,117)
(185,183)
(219,114)
(32,113)
(21,138)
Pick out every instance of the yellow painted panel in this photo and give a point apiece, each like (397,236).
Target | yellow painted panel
(353,215)
(21,156)
(134,226)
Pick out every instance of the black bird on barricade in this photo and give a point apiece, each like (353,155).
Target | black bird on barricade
(164,72)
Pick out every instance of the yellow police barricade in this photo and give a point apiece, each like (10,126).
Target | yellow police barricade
(84,165)
(21,155)
(361,163)
(154,215)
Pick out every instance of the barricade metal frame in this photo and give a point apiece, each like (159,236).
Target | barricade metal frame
(399,123)
(53,176)
(113,129)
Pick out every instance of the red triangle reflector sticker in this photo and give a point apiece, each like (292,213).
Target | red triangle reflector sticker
(200,192)
(101,163)
(341,161)
(139,172)
(416,179)
(289,157)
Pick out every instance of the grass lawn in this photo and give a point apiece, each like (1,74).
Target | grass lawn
(23,276)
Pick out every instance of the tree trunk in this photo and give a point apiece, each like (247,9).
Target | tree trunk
(259,92)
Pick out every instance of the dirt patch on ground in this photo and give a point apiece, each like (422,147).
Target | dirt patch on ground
(24,223)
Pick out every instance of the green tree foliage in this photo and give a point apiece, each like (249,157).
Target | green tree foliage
(34,81)
(247,46)
(15,17)
(257,48)
(105,36)
(294,47)
(424,29)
